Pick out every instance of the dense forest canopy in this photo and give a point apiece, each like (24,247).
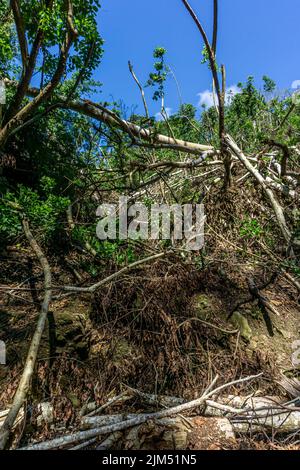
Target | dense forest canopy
(63,154)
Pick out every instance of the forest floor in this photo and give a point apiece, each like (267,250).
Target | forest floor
(163,330)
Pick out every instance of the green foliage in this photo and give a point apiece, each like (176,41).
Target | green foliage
(249,117)
(159,52)
(250,228)
(246,116)
(269,84)
(10,224)
(7,39)
(158,77)
(293,266)
(185,123)
(43,213)
(52,22)
(205,59)
(106,250)
(205,56)
(47,184)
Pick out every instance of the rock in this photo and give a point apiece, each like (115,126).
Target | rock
(253,344)
(285,334)
(96,349)
(88,408)
(203,306)
(242,324)
(74,400)
(121,350)
(211,434)
(82,349)
(169,433)
(197,433)
(71,331)
(164,434)
(45,414)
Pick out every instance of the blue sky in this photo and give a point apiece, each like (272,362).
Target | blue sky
(257,37)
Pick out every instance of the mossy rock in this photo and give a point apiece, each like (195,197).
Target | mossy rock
(74,400)
(96,349)
(203,306)
(65,317)
(71,330)
(241,322)
(121,350)
(82,349)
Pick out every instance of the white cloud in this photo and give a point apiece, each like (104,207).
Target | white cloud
(206,97)
(296,84)
(160,117)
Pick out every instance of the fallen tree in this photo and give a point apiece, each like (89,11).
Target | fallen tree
(101,114)
(140,419)
(220,421)
(25,381)
(278,211)
(256,414)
